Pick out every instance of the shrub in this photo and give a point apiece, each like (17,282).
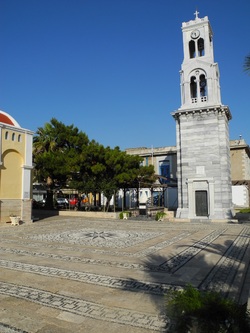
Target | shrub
(159,216)
(245,210)
(191,310)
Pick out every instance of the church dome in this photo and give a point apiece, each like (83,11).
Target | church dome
(5,118)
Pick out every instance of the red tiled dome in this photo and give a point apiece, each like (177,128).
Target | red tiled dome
(7,119)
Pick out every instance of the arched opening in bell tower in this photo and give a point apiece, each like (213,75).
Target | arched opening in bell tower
(196,46)
(192,49)
(198,86)
(193,87)
(203,85)
(201,47)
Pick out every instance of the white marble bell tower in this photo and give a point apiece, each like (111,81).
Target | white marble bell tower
(202,135)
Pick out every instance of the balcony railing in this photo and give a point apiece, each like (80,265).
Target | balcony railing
(201,99)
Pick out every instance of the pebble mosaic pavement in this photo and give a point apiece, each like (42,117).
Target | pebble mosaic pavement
(75,275)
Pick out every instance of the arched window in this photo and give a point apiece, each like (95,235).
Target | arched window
(13,136)
(201,47)
(6,135)
(192,49)
(198,86)
(193,87)
(19,138)
(203,85)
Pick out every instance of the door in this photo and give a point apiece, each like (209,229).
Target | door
(201,204)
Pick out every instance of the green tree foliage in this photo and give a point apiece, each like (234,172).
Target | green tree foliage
(56,149)
(106,170)
(247,64)
(64,155)
(191,310)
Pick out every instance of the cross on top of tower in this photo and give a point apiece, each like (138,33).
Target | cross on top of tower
(196,13)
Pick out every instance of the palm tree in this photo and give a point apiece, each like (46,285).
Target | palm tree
(247,64)
(44,139)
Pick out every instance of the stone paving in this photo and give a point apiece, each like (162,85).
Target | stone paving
(72,275)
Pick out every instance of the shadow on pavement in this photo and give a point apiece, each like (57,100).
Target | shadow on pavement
(228,275)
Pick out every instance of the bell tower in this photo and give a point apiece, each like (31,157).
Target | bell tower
(202,133)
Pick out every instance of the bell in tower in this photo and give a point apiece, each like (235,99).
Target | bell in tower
(202,132)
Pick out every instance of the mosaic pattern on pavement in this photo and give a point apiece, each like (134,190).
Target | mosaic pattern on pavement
(97,238)
(21,247)
(4,328)
(84,308)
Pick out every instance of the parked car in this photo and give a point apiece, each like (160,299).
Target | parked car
(62,203)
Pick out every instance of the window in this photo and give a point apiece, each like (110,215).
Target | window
(203,85)
(196,48)
(6,135)
(19,138)
(198,86)
(192,49)
(201,47)
(193,87)
(13,136)
(164,170)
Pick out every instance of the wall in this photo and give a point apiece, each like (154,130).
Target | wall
(240,196)
(101,215)
(15,172)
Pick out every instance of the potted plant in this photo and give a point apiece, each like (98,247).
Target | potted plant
(124,215)
(14,219)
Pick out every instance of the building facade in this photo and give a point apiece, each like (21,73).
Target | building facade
(15,170)
(240,170)
(239,160)
(164,191)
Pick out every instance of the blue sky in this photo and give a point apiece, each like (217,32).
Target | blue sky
(111,67)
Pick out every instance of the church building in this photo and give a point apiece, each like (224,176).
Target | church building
(202,130)
(15,170)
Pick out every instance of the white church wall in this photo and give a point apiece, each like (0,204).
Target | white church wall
(240,196)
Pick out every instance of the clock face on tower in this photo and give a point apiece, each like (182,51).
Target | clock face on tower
(195,34)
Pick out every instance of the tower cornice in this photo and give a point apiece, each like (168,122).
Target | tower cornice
(220,109)
(196,23)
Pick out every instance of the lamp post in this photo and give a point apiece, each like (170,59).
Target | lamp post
(142,205)
(139,187)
